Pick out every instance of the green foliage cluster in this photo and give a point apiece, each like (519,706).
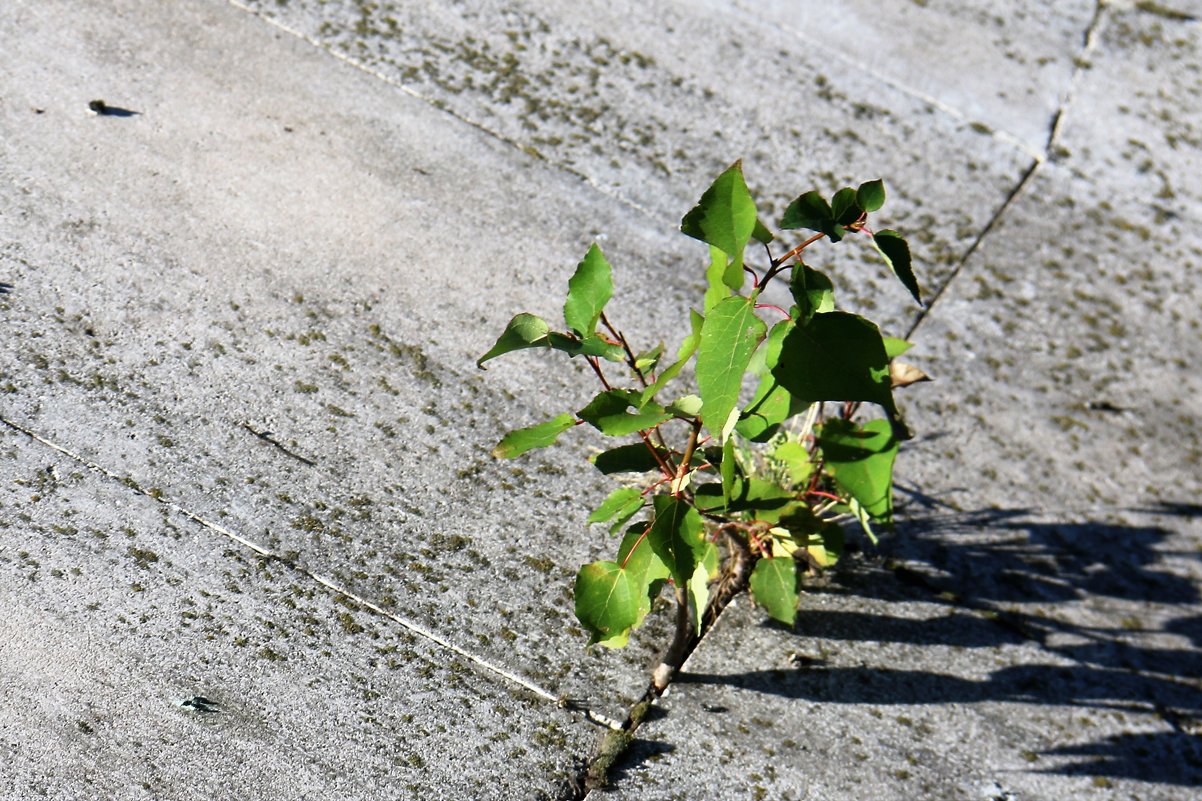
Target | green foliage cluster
(748,478)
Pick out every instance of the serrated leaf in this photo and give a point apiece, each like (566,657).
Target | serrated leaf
(860,459)
(729,337)
(836,357)
(607,603)
(589,289)
(844,207)
(676,537)
(517,442)
(813,292)
(725,216)
(871,195)
(774,587)
(895,347)
(811,211)
(896,253)
(523,331)
(608,413)
(617,501)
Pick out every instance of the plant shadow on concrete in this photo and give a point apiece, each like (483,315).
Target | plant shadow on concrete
(985,563)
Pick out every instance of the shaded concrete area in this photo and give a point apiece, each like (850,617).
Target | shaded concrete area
(251,538)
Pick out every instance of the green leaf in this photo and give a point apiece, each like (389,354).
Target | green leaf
(515,443)
(697,591)
(761,233)
(771,405)
(774,586)
(686,406)
(676,537)
(755,498)
(633,458)
(725,216)
(844,207)
(860,459)
(813,292)
(811,211)
(825,545)
(589,346)
(589,289)
(871,195)
(861,514)
(716,279)
(729,471)
(836,357)
(728,339)
(647,361)
(687,348)
(808,211)
(608,413)
(524,331)
(607,603)
(796,461)
(619,500)
(895,347)
(646,570)
(896,253)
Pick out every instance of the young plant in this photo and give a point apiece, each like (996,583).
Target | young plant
(748,477)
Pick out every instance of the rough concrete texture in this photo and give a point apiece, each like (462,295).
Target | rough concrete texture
(245,452)
(145,657)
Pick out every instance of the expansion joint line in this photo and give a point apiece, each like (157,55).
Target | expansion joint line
(1055,127)
(409,90)
(328,583)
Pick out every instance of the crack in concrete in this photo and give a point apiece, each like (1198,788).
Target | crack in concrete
(317,578)
(1055,128)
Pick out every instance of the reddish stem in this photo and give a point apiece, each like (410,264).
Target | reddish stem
(797,250)
(771,306)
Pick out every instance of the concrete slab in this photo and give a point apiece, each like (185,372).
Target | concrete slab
(1134,126)
(1003,67)
(193,299)
(651,100)
(883,693)
(252,294)
(141,656)
(1038,634)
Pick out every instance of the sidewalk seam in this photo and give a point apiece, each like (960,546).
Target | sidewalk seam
(1055,127)
(328,583)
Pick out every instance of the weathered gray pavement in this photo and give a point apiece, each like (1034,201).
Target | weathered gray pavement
(244,453)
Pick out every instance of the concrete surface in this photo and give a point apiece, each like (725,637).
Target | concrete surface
(245,444)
